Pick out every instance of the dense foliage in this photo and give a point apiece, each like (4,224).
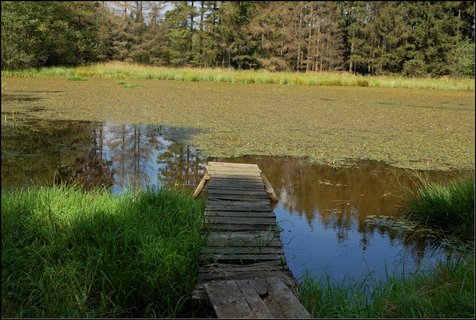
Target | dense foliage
(411,38)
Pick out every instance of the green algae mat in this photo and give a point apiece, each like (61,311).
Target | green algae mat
(409,128)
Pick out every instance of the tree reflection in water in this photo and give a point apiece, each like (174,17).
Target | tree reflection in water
(322,209)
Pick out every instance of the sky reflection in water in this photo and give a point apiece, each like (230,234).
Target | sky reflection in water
(321,209)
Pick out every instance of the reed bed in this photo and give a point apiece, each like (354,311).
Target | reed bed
(67,253)
(120,70)
(448,208)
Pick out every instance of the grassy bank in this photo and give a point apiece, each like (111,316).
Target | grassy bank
(448,208)
(447,291)
(119,70)
(66,253)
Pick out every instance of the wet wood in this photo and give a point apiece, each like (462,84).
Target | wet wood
(244,257)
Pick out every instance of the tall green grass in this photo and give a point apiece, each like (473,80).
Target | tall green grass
(445,292)
(120,70)
(67,253)
(449,209)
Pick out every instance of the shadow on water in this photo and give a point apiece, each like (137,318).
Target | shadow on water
(322,210)
(114,156)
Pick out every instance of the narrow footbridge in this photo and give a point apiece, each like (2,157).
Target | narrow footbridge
(243,271)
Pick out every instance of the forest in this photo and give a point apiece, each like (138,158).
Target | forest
(371,38)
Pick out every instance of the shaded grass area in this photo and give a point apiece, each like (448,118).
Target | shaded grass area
(409,128)
(445,292)
(120,70)
(449,208)
(66,253)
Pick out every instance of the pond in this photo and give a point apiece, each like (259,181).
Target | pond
(322,209)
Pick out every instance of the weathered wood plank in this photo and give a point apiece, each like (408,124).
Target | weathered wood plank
(240,227)
(231,242)
(240,257)
(201,185)
(238,207)
(238,197)
(281,300)
(237,192)
(269,188)
(237,179)
(227,299)
(245,236)
(257,306)
(240,220)
(215,268)
(243,250)
(244,214)
(232,164)
(235,184)
(241,203)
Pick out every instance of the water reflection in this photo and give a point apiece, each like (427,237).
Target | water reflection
(114,156)
(322,209)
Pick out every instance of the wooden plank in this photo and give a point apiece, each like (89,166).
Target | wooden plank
(236,179)
(281,300)
(230,268)
(239,203)
(243,275)
(241,220)
(269,188)
(240,227)
(226,299)
(239,242)
(258,307)
(238,192)
(228,188)
(238,197)
(201,185)
(244,236)
(239,207)
(243,250)
(232,164)
(236,183)
(240,257)
(251,214)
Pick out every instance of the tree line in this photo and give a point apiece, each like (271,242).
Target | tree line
(375,37)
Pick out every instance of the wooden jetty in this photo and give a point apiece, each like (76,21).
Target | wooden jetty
(244,273)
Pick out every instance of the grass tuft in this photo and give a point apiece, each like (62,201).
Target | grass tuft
(66,253)
(448,208)
(445,292)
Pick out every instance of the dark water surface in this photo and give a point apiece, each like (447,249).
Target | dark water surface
(322,209)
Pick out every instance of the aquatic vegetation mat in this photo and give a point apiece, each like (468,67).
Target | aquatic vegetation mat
(410,128)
